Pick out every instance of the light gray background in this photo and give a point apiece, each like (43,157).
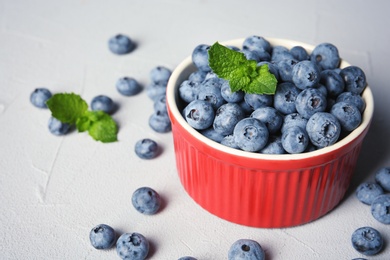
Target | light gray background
(53,190)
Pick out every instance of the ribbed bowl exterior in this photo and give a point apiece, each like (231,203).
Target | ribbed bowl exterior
(269,191)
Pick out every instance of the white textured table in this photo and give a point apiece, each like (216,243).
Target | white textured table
(53,190)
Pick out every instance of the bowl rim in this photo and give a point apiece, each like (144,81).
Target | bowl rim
(171,95)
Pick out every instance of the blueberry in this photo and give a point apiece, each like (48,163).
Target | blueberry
(274,146)
(354,99)
(382,177)
(159,121)
(285,68)
(229,142)
(39,97)
(103,103)
(146,148)
(348,115)
(160,104)
(246,249)
(380,208)
(120,44)
(132,246)
(154,90)
(226,118)
(305,74)
(229,96)
(210,91)
(128,86)
(251,55)
(199,114)
(160,75)
(299,53)
(146,200)
(284,99)
(354,79)
(367,192)
(256,101)
(293,119)
(250,134)
(188,90)
(367,241)
(309,102)
(102,236)
(326,56)
(322,89)
(295,140)
(332,81)
(280,53)
(197,76)
(56,127)
(212,134)
(200,57)
(187,258)
(255,42)
(270,117)
(323,129)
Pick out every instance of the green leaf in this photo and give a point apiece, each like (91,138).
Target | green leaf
(102,127)
(241,73)
(67,107)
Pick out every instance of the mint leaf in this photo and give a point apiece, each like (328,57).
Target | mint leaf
(102,128)
(67,107)
(241,73)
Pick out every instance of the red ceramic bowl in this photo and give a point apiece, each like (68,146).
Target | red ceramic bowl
(262,190)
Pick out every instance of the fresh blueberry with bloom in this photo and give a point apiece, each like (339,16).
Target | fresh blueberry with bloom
(332,81)
(146,148)
(294,119)
(280,53)
(229,95)
(197,76)
(212,134)
(255,42)
(348,115)
(199,114)
(128,86)
(56,127)
(354,79)
(380,208)
(299,53)
(229,142)
(103,103)
(250,134)
(270,117)
(274,146)
(295,140)
(323,129)
(160,122)
(226,118)
(305,74)
(102,236)
(187,258)
(188,90)
(367,241)
(354,99)
(210,91)
(285,96)
(368,191)
(160,104)
(39,97)
(256,101)
(246,249)
(326,56)
(285,68)
(120,44)
(310,101)
(251,55)
(132,246)
(382,177)
(160,75)
(154,90)
(146,200)
(200,57)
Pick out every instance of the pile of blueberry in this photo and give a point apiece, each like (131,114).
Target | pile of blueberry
(315,104)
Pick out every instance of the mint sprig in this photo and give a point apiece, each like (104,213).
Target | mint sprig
(72,109)
(241,73)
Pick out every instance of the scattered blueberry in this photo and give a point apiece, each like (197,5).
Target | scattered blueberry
(154,90)
(102,236)
(103,103)
(367,192)
(39,97)
(382,177)
(146,200)
(159,121)
(120,44)
(246,249)
(326,56)
(56,127)
(160,104)
(367,240)
(132,246)
(187,258)
(160,75)
(146,148)
(128,86)
(380,208)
